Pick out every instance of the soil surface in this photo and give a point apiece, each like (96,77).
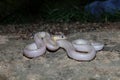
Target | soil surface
(57,65)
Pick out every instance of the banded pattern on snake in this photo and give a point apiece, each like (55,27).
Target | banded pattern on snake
(79,49)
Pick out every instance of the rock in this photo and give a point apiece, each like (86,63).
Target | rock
(98,8)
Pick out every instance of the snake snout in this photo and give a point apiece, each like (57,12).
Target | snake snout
(59,37)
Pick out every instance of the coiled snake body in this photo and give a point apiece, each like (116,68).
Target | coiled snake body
(79,49)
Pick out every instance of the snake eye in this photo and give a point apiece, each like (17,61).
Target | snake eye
(62,36)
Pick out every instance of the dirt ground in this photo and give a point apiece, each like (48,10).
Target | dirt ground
(57,65)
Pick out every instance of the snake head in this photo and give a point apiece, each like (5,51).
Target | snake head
(58,37)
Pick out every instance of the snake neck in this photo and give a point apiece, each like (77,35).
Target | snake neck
(39,41)
(66,45)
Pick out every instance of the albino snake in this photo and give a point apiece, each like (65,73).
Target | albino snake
(79,49)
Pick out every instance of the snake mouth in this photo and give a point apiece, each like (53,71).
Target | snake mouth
(58,37)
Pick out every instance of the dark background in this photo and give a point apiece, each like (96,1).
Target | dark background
(27,11)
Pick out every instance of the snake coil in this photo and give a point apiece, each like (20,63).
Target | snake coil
(79,49)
